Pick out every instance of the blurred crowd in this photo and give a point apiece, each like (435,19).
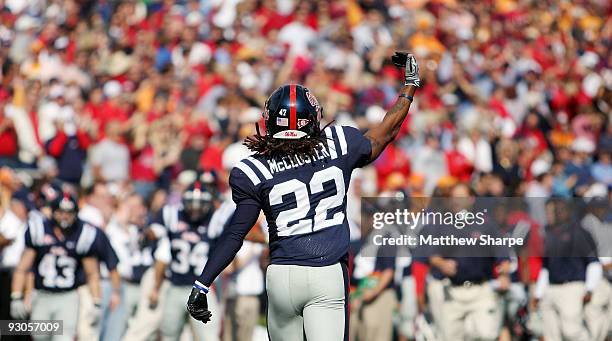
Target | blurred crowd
(111,98)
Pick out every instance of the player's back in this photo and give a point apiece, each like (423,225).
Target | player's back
(304,197)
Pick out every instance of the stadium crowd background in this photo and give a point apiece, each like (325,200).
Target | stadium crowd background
(516,95)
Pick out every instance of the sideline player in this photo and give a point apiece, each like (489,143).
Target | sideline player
(298,176)
(186,234)
(56,250)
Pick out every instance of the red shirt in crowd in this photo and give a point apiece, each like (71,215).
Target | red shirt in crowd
(142,165)
(109,112)
(393,159)
(458,165)
(211,158)
(8,139)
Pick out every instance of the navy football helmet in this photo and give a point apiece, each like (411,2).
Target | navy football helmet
(292,112)
(198,201)
(64,209)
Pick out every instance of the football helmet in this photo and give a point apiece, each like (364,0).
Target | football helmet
(64,210)
(197,201)
(292,112)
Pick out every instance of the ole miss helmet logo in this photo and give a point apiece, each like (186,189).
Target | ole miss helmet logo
(302,122)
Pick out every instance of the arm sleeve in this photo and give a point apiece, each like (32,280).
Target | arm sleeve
(163,252)
(55,146)
(103,250)
(157,224)
(594,273)
(232,237)
(84,140)
(28,239)
(419,272)
(123,254)
(541,284)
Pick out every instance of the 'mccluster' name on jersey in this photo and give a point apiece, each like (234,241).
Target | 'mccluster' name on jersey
(304,197)
(294,161)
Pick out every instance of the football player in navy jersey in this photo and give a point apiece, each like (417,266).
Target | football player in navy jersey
(299,175)
(56,250)
(185,234)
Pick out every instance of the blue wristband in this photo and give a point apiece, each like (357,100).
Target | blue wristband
(200,287)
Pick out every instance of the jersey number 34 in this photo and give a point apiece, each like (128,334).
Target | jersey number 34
(299,213)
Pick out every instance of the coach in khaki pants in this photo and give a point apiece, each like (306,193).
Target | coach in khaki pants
(372,310)
(471,308)
(472,311)
(145,322)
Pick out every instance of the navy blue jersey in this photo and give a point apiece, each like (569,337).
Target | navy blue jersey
(189,244)
(58,259)
(103,251)
(474,264)
(568,251)
(304,198)
(142,259)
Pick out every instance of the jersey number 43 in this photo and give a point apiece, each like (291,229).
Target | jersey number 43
(51,277)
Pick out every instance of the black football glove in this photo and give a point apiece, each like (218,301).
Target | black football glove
(408,62)
(197,305)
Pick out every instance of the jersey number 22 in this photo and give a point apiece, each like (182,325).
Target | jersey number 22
(298,213)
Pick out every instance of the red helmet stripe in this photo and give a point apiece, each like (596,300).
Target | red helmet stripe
(292,108)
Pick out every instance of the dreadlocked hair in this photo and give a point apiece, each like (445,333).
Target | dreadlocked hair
(268,146)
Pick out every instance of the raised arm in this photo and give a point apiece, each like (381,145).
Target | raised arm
(381,135)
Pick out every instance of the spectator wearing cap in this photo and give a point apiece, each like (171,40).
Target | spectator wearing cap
(539,189)
(110,158)
(112,108)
